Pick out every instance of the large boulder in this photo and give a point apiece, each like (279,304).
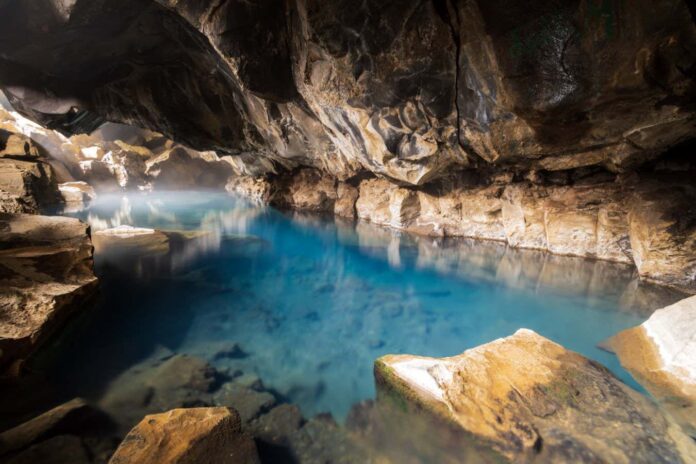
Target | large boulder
(45,275)
(188,436)
(661,355)
(532,400)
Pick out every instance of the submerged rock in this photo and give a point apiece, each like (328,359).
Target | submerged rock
(188,436)
(661,355)
(45,275)
(532,400)
(62,419)
(130,240)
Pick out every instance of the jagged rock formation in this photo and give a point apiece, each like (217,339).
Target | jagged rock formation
(404,89)
(45,275)
(534,401)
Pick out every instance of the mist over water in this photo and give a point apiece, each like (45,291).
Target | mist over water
(312,301)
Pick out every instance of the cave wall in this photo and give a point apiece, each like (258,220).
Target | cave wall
(406,89)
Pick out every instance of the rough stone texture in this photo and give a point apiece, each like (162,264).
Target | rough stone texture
(531,399)
(661,355)
(45,275)
(76,195)
(406,89)
(187,436)
(662,229)
(27,182)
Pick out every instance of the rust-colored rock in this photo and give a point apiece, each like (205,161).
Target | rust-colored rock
(187,436)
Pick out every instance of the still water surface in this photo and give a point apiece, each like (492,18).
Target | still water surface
(313,301)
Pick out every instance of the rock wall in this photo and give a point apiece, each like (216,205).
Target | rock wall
(642,219)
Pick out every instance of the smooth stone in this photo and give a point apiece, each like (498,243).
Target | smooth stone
(661,354)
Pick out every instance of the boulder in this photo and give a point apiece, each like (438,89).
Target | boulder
(187,436)
(127,240)
(661,355)
(45,276)
(532,400)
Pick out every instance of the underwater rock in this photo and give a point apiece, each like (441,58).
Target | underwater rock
(530,399)
(188,436)
(158,384)
(46,275)
(62,419)
(61,449)
(661,355)
(247,402)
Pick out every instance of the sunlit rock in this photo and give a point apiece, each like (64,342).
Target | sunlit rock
(185,436)
(76,195)
(27,181)
(530,399)
(127,239)
(661,355)
(46,276)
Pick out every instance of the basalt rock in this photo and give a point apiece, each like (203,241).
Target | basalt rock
(45,276)
(409,89)
(534,401)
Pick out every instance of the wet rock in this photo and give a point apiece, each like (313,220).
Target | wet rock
(61,449)
(187,436)
(661,355)
(159,384)
(247,402)
(321,440)
(65,418)
(277,426)
(46,275)
(530,399)
(130,240)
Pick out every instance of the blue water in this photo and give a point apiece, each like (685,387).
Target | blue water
(314,301)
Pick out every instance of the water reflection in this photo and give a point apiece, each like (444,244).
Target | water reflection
(315,300)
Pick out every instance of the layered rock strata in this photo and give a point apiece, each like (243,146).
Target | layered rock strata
(643,219)
(45,275)
(534,401)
